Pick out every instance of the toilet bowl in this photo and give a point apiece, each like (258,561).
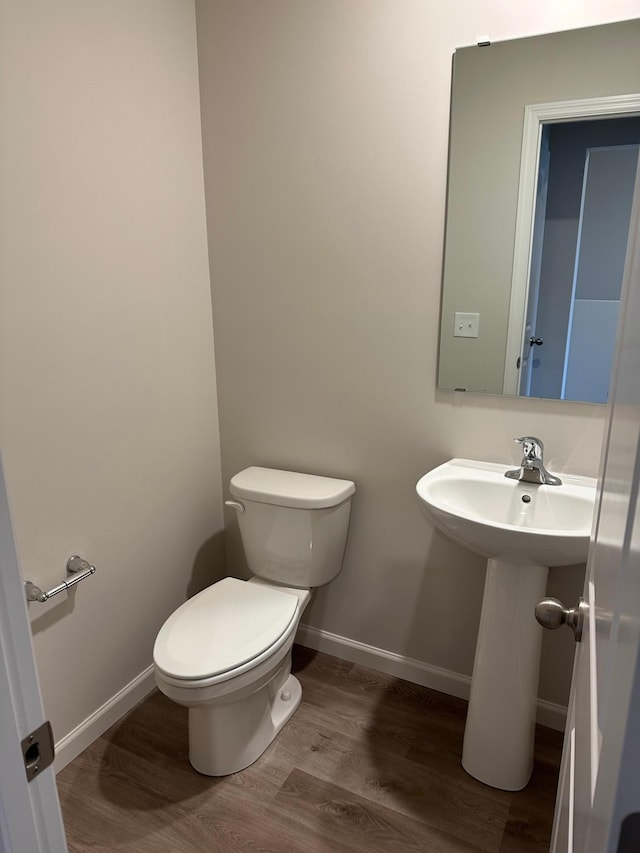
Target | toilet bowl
(225,654)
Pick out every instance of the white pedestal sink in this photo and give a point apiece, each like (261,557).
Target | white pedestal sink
(523,529)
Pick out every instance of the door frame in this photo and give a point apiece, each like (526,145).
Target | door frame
(30,816)
(535,115)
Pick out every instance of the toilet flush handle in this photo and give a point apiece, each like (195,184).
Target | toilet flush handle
(235,505)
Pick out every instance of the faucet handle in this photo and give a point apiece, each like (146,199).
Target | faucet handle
(532,447)
(532,468)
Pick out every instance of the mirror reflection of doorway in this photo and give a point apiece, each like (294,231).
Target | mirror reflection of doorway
(583,204)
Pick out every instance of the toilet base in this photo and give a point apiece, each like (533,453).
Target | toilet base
(226,738)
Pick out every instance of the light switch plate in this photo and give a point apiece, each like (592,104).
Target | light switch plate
(466,325)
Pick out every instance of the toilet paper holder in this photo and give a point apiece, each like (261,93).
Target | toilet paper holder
(77,570)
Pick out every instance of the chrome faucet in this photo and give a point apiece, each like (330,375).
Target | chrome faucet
(532,468)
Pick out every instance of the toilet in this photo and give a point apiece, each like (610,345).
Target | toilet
(226,653)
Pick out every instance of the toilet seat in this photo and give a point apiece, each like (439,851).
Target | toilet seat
(223,631)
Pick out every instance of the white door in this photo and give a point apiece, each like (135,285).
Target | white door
(30,818)
(598,806)
(535,266)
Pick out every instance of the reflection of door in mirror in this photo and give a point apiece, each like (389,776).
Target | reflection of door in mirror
(581,222)
(525,364)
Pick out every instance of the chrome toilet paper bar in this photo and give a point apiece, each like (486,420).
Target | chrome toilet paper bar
(77,570)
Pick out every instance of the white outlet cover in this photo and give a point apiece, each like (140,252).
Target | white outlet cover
(466,325)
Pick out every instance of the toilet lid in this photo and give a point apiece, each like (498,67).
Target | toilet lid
(223,627)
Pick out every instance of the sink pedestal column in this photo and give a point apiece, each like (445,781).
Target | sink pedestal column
(499,733)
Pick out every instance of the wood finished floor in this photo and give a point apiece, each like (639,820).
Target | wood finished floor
(368,763)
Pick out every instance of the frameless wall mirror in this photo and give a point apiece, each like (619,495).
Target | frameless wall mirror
(543,151)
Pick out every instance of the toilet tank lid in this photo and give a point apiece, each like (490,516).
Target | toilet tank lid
(289,488)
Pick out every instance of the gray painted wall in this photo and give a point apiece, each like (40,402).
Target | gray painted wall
(325,129)
(326,135)
(108,410)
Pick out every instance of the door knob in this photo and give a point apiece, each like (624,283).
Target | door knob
(552,614)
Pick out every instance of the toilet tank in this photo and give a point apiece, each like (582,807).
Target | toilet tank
(294,526)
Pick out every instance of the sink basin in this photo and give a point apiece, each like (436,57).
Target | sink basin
(522,529)
(476,505)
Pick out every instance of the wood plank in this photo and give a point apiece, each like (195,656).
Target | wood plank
(330,818)
(368,762)
(391,780)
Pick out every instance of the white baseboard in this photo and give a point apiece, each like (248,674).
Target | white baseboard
(444,680)
(548,714)
(551,715)
(72,744)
